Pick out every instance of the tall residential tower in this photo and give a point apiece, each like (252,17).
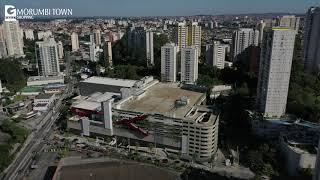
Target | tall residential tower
(242,39)
(189,64)
(13,38)
(3,48)
(188,34)
(312,40)
(149,48)
(169,63)
(275,68)
(47,57)
(74,42)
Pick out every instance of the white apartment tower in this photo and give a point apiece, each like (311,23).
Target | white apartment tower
(291,22)
(194,36)
(97,37)
(3,49)
(107,52)
(74,42)
(60,50)
(275,68)
(44,34)
(312,40)
(28,33)
(1,90)
(47,57)
(244,38)
(188,34)
(219,54)
(169,63)
(261,27)
(189,65)
(182,35)
(13,38)
(93,52)
(149,48)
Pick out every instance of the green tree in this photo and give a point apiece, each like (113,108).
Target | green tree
(11,74)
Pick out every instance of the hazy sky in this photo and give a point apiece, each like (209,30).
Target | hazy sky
(167,7)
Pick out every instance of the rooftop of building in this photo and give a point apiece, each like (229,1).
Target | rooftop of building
(54,86)
(281,28)
(42,78)
(164,98)
(110,81)
(41,105)
(44,96)
(302,142)
(92,102)
(31,89)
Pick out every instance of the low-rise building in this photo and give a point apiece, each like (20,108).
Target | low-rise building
(31,91)
(54,88)
(104,84)
(300,150)
(43,102)
(40,80)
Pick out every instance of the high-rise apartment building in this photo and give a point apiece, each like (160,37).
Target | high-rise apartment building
(107,52)
(93,52)
(1,90)
(74,42)
(169,63)
(140,38)
(47,57)
(312,40)
(274,72)
(219,54)
(181,36)
(261,27)
(149,48)
(189,65)
(44,34)
(3,48)
(13,38)
(291,22)
(28,34)
(136,38)
(188,34)
(97,37)
(208,53)
(194,36)
(242,39)
(60,50)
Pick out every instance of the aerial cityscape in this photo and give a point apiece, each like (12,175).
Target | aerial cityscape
(131,90)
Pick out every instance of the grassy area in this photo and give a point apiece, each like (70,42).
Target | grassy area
(17,135)
(18,98)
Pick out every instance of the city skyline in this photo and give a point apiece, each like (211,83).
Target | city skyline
(177,8)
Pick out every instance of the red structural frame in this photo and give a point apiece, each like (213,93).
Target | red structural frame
(131,123)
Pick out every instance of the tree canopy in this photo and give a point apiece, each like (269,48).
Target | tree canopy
(304,89)
(11,74)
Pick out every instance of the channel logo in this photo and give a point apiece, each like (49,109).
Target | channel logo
(10,13)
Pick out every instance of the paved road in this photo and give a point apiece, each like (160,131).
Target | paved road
(36,139)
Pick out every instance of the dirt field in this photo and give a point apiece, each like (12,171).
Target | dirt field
(115,171)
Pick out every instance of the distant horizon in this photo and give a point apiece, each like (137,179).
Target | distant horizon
(92,17)
(169,8)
